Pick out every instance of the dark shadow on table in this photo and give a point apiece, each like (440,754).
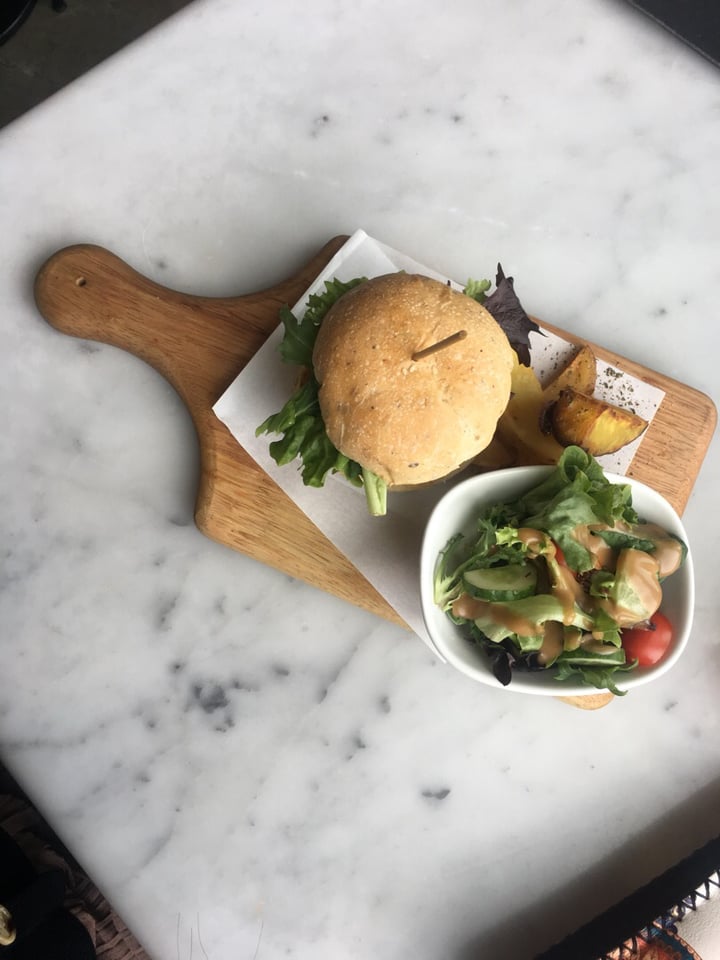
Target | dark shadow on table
(59,42)
(553,917)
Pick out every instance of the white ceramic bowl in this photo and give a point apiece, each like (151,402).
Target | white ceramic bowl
(456,512)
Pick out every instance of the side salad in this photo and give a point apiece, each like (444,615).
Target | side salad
(567,577)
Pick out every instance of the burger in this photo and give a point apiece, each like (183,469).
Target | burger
(402,380)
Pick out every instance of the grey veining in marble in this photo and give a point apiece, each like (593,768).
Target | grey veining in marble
(248,767)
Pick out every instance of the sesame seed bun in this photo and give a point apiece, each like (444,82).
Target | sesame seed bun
(410,421)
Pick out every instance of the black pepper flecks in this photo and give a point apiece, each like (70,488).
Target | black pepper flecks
(622,392)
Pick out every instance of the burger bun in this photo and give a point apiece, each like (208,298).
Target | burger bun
(394,396)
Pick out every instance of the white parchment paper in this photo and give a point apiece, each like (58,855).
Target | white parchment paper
(385,549)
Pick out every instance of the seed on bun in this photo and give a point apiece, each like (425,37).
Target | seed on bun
(413,377)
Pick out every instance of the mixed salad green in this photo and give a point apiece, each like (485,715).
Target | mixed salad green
(564,577)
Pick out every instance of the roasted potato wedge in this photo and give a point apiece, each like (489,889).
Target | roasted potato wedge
(518,429)
(539,422)
(595,425)
(579,375)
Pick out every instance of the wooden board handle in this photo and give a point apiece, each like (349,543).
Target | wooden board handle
(195,342)
(200,344)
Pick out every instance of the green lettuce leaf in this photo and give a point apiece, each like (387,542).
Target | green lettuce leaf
(447,579)
(575,492)
(621,540)
(299,423)
(477,290)
(303,435)
(300,335)
(596,670)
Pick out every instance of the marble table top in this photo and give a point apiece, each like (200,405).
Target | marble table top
(247,766)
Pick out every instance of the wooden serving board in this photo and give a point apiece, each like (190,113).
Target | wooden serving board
(200,344)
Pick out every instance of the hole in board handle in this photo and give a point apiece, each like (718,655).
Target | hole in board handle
(80,281)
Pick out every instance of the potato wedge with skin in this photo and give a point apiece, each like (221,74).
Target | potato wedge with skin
(579,375)
(595,425)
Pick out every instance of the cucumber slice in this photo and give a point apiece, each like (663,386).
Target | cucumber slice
(513,582)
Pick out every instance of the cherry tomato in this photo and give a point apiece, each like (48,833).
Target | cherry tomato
(648,645)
